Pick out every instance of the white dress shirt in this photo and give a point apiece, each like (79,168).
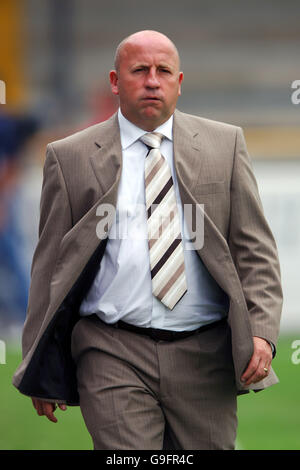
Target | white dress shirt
(122,288)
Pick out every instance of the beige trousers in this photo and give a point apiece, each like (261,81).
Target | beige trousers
(139,394)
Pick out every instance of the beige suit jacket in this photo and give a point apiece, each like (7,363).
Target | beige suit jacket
(81,173)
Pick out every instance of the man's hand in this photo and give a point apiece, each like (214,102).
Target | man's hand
(261,359)
(46,408)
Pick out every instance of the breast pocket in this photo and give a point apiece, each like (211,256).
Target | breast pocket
(210,188)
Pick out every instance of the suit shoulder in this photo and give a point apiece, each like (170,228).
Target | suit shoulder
(209,125)
(82,137)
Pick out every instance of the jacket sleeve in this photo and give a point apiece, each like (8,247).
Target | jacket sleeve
(55,222)
(253,248)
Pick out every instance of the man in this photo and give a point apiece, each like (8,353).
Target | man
(167,336)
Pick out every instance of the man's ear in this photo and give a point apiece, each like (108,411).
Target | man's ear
(180,82)
(113,78)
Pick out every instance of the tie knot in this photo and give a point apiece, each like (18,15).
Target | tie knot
(152,139)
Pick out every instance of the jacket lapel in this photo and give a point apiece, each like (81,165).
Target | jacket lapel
(187,150)
(107,159)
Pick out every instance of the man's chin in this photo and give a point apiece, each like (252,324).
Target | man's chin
(152,111)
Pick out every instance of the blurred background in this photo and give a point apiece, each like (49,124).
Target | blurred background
(239,59)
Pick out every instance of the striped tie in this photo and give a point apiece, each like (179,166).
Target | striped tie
(164,230)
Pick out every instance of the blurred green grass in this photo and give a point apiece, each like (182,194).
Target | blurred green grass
(268,420)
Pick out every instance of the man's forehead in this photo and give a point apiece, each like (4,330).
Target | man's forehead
(150,53)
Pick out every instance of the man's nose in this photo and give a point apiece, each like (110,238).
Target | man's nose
(152,80)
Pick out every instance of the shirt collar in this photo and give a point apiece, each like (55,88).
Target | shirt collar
(130,133)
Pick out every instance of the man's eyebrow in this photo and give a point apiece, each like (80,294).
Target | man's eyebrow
(167,66)
(140,64)
(161,65)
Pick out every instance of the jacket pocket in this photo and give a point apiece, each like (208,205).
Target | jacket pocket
(210,188)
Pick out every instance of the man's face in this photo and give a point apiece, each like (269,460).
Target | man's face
(147,82)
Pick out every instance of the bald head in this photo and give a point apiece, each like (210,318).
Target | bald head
(144,39)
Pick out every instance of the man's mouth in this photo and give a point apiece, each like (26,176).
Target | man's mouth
(151,98)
